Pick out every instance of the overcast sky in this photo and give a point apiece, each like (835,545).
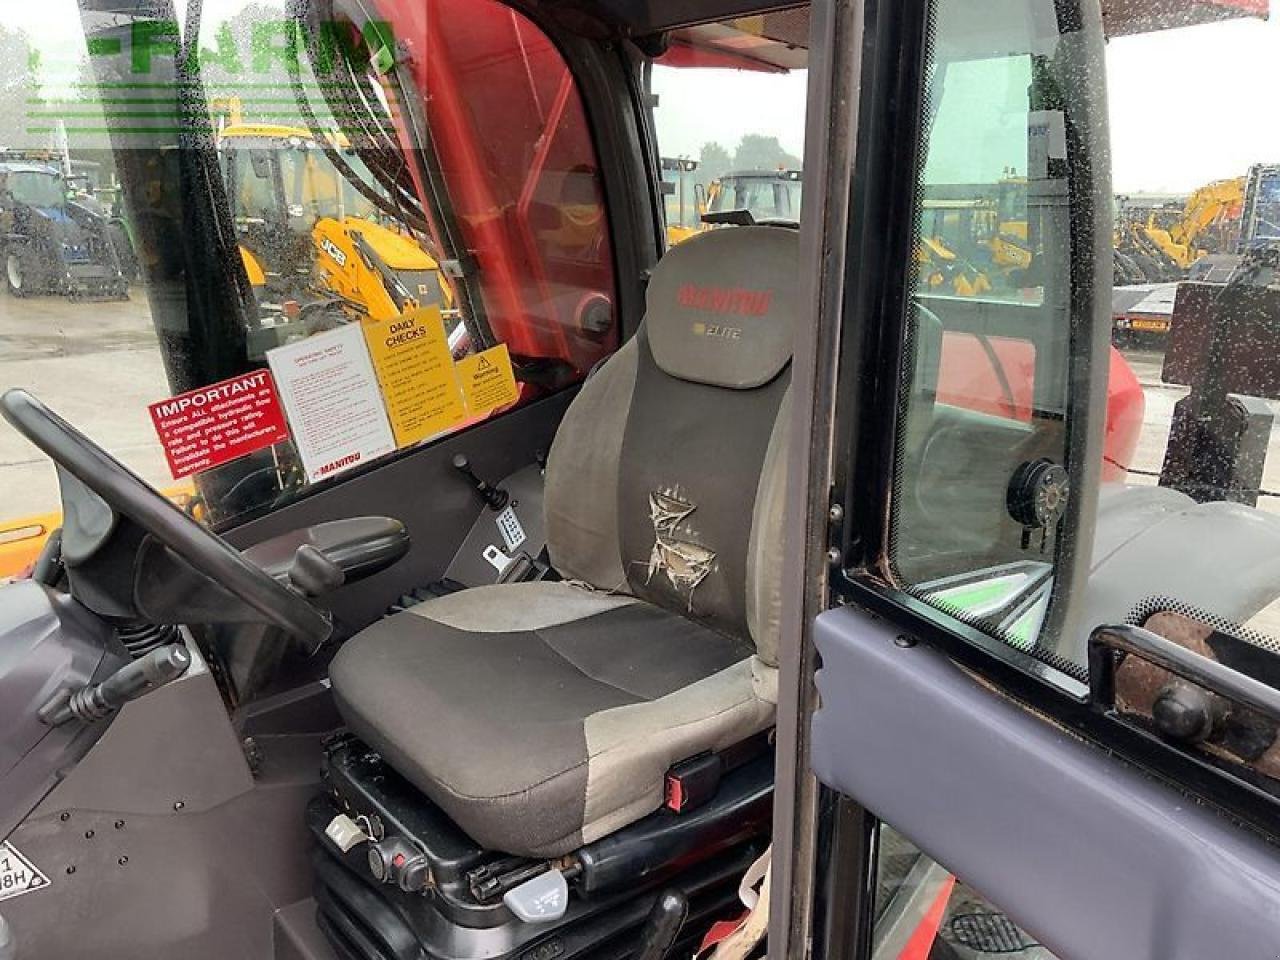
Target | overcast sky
(1187,106)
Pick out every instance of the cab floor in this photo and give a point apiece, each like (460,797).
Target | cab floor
(975,930)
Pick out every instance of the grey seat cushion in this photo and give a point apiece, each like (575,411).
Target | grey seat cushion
(542,716)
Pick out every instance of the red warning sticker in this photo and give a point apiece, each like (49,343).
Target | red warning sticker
(208,427)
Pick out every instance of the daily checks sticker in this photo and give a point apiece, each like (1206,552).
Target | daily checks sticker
(18,875)
(426,393)
(415,369)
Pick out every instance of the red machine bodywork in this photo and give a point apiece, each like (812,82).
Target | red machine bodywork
(516,156)
(969,377)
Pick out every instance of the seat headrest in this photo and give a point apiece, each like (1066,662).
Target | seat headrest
(721,307)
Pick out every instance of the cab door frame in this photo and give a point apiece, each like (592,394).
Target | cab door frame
(863,125)
(802,807)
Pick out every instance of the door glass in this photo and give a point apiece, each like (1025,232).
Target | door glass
(983,447)
(923,912)
(123,316)
(1015,413)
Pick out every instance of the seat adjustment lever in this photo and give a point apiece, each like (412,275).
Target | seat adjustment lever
(541,900)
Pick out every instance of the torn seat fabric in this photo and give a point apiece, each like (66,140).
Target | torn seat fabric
(543,716)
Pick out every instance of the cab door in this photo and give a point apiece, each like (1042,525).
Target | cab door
(1036,709)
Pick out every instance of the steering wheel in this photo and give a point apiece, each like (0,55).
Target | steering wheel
(128,495)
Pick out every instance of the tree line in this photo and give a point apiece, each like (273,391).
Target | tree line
(754,151)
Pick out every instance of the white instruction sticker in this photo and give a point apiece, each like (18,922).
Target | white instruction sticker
(331,397)
(509,527)
(18,875)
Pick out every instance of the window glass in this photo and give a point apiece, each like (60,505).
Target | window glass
(982,455)
(438,223)
(999,375)
(975,235)
(730,119)
(38,188)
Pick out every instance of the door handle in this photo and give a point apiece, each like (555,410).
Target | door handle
(1212,675)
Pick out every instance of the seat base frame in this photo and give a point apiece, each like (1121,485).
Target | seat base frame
(616,878)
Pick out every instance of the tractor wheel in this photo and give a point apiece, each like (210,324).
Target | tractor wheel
(15,275)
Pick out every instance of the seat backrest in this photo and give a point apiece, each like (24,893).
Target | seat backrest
(666,478)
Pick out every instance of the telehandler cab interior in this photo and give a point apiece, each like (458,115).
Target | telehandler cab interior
(545,684)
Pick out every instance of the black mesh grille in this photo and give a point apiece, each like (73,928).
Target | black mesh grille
(989,933)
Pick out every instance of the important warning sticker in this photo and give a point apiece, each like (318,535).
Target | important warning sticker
(414,364)
(18,875)
(205,428)
(487,380)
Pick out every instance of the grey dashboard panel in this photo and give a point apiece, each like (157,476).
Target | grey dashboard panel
(436,504)
(1089,855)
(48,643)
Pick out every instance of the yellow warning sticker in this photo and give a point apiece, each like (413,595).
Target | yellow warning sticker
(487,380)
(416,372)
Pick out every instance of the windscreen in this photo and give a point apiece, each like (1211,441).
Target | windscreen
(300,256)
(37,189)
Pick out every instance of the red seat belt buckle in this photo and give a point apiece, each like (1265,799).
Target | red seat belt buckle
(691,783)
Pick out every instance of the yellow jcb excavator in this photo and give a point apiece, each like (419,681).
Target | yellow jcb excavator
(1203,224)
(1166,241)
(307,236)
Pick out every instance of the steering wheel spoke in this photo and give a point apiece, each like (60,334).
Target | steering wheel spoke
(129,496)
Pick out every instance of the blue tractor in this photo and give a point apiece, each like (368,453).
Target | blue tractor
(53,243)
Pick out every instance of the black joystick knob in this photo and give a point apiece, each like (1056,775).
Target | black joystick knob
(314,573)
(1183,712)
(494,497)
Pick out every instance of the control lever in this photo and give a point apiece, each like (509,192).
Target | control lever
(660,930)
(313,573)
(495,497)
(128,683)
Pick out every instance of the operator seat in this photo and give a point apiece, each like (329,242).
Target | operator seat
(542,716)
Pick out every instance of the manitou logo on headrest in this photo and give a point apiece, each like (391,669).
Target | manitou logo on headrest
(739,300)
